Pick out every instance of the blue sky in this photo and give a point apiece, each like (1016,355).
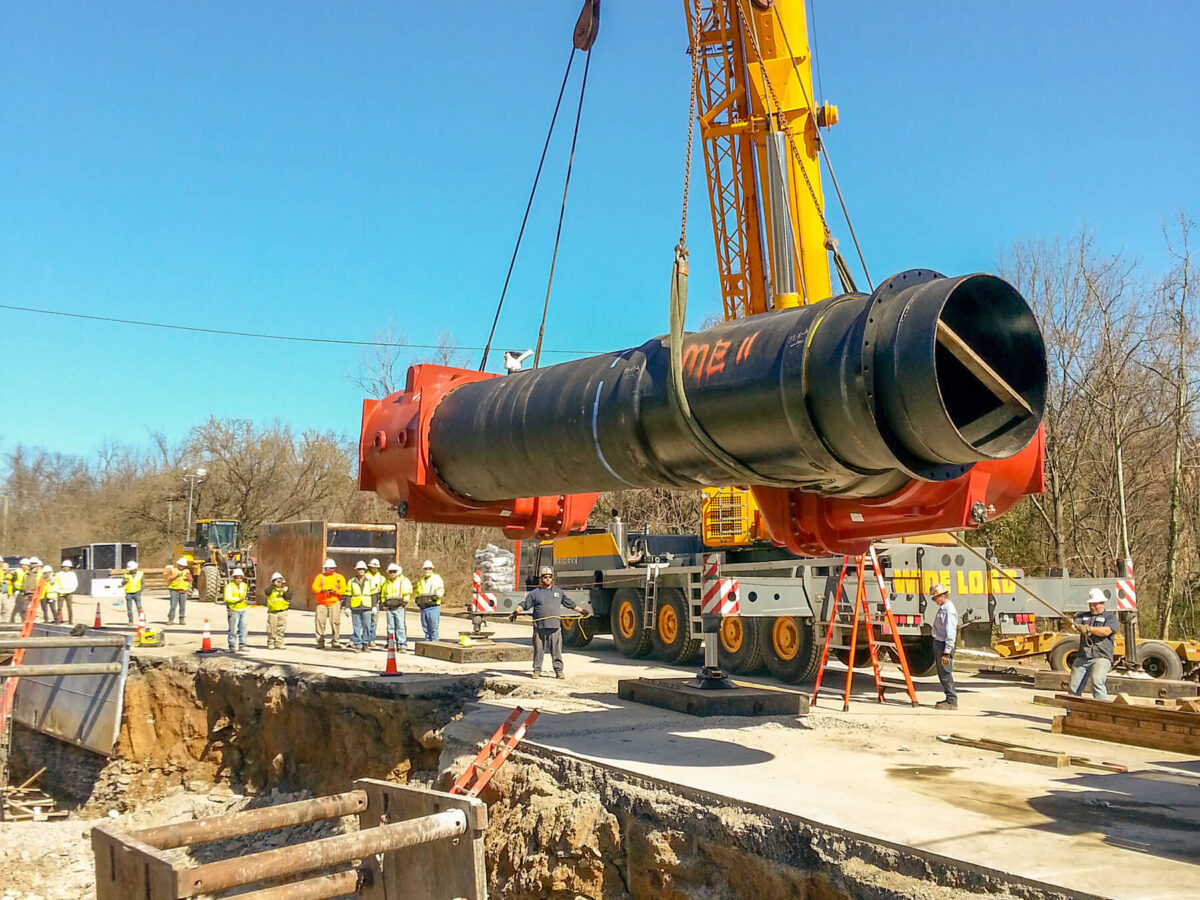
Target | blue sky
(325,169)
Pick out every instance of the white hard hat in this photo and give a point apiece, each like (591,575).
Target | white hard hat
(546,570)
(67,564)
(24,561)
(938,589)
(1095,595)
(393,567)
(47,569)
(35,560)
(237,572)
(428,564)
(131,565)
(278,575)
(181,561)
(374,563)
(330,564)
(360,565)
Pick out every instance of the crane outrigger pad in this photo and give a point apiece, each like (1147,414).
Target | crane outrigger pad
(681,695)
(482,652)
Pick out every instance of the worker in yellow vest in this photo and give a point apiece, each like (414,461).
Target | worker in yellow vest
(19,574)
(429,592)
(394,596)
(359,589)
(68,584)
(6,591)
(179,583)
(376,578)
(49,594)
(278,600)
(235,605)
(133,589)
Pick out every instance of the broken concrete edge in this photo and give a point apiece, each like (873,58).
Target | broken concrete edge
(829,844)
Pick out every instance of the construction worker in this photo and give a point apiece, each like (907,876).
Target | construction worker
(945,634)
(546,603)
(359,589)
(133,589)
(279,597)
(377,579)
(30,587)
(1095,657)
(17,579)
(235,606)
(49,595)
(68,584)
(328,588)
(394,596)
(179,583)
(429,592)
(6,591)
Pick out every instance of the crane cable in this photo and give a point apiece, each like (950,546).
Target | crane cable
(678,304)
(528,206)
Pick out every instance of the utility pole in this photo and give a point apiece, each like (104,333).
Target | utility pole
(191,478)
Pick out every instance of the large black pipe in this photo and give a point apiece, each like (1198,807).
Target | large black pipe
(853,396)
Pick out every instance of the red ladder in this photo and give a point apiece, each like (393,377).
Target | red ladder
(493,754)
(10,684)
(861,612)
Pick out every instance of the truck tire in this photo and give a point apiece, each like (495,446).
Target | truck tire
(210,584)
(862,656)
(789,648)
(672,624)
(629,630)
(919,654)
(577,632)
(1158,660)
(739,645)
(1062,655)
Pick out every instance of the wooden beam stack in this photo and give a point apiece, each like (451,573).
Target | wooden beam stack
(1124,722)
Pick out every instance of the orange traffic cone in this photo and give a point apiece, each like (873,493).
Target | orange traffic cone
(141,627)
(391,669)
(206,641)
(97,623)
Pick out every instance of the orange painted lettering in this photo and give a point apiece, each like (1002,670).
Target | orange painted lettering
(716,362)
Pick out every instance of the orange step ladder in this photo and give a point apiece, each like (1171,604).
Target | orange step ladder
(494,753)
(861,612)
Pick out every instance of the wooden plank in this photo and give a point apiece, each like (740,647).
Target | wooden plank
(1038,757)
(296,550)
(1139,712)
(1155,740)
(1156,688)
(1001,746)
(978,366)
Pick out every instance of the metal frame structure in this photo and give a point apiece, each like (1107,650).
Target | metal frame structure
(441,835)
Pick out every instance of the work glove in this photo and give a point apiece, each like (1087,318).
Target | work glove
(513,616)
(945,662)
(1081,628)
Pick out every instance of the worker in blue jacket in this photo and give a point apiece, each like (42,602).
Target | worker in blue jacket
(546,602)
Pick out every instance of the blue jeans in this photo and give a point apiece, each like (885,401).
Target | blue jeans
(130,600)
(360,619)
(397,627)
(372,623)
(430,617)
(1097,667)
(237,628)
(178,602)
(945,674)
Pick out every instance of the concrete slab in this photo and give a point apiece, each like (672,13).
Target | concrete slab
(485,652)
(678,694)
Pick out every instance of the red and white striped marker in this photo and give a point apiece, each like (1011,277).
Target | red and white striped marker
(481,602)
(1127,588)
(719,596)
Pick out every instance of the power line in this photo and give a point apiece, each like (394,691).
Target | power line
(262,335)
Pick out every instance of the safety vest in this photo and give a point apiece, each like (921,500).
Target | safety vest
(398,587)
(235,595)
(431,584)
(329,588)
(276,601)
(360,592)
(51,588)
(18,580)
(133,582)
(181,581)
(376,580)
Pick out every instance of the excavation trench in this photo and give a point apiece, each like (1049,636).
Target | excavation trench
(205,738)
